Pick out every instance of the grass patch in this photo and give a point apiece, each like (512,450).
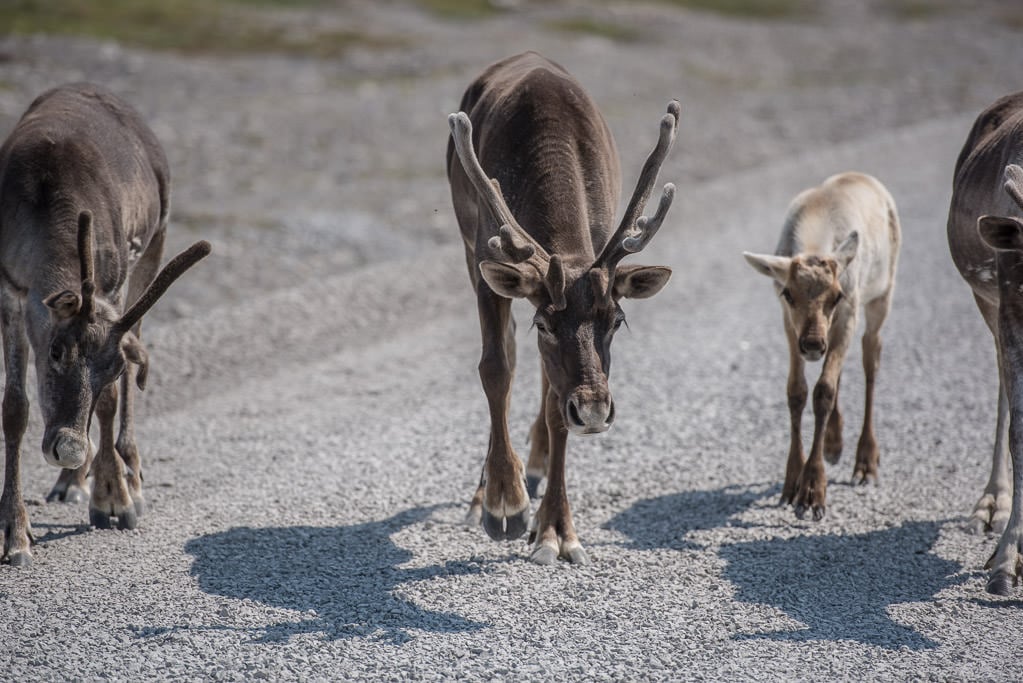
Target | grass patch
(593,27)
(187,26)
(460,9)
(909,10)
(749,9)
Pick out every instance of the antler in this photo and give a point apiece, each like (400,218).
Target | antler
(85,259)
(511,234)
(623,241)
(1014,183)
(171,272)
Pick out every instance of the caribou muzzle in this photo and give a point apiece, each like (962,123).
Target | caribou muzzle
(589,412)
(812,348)
(67,448)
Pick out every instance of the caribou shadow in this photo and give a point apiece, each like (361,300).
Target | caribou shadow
(665,521)
(345,576)
(841,586)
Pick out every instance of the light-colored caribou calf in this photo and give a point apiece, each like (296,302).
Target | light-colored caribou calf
(535,181)
(84,196)
(838,252)
(985,236)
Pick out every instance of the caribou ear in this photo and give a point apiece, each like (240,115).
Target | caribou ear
(514,281)
(776,267)
(639,282)
(847,250)
(136,353)
(64,304)
(1001,232)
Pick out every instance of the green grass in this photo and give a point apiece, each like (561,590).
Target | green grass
(460,9)
(615,32)
(187,26)
(749,9)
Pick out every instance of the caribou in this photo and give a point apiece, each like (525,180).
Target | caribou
(535,181)
(837,254)
(985,238)
(84,199)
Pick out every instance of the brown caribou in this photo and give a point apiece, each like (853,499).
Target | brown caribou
(838,253)
(84,198)
(535,182)
(985,237)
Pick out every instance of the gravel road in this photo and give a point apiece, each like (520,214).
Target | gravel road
(314,424)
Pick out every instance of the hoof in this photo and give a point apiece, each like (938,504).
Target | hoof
(817,511)
(506,528)
(72,494)
(832,457)
(1001,583)
(20,559)
(861,479)
(127,520)
(533,486)
(98,519)
(578,556)
(544,555)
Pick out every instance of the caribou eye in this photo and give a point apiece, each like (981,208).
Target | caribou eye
(787,295)
(618,321)
(838,297)
(56,353)
(539,324)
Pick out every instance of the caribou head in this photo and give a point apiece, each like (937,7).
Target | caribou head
(811,289)
(576,296)
(87,345)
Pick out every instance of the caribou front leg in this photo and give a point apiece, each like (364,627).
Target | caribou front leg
(14,523)
(796,390)
(811,488)
(126,446)
(554,534)
(504,504)
(110,495)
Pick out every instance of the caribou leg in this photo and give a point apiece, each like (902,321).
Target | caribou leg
(143,275)
(991,513)
(867,457)
(811,488)
(539,443)
(110,494)
(554,533)
(796,390)
(505,503)
(14,522)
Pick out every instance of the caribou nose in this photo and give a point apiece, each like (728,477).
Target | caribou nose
(812,348)
(70,449)
(589,417)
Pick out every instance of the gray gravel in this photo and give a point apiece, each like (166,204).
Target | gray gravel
(314,425)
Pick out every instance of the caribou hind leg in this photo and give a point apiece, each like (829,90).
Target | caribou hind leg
(141,278)
(14,522)
(539,443)
(991,513)
(110,495)
(71,485)
(867,457)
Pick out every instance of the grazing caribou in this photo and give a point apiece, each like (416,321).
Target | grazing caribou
(985,236)
(84,196)
(838,251)
(535,181)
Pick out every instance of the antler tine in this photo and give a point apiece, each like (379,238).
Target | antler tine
(85,259)
(1014,183)
(490,190)
(171,272)
(505,242)
(648,227)
(614,250)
